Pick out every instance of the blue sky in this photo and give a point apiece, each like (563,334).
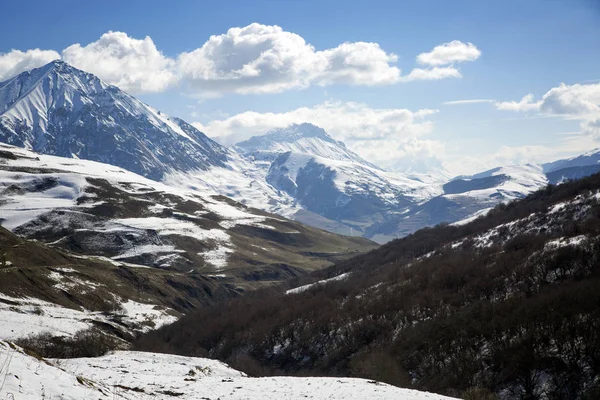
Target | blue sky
(524,47)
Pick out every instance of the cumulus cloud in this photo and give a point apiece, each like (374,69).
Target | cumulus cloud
(572,100)
(512,155)
(134,65)
(365,130)
(358,63)
(525,104)
(252,59)
(578,101)
(14,62)
(432,74)
(405,154)
(440,60)
(266,59)
(449,53)
(346,121)
(592,128)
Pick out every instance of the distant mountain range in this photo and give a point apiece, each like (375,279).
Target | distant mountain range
(573,168)
(299,172)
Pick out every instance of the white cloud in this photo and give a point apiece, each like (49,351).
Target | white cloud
(14,62)
(527,154)
(470,101)
(252,59)
(404,154)
(344,120)
(572,100)
(432,74)
(358,63)
(525,104)
(449,53)
(569,100)
(592,128)
(519,155)
(266,59)
(439,59)
(134,65)
(578,101)
(391,138)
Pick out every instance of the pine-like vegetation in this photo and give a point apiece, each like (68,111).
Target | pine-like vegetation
(507,306)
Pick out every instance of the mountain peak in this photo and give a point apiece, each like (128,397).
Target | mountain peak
(61,67)
(303,139)
(55,79)
(295,132)
(53,67)
(58,63)
(290,135)
(60,110)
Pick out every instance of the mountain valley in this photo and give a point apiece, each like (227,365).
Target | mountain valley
(505,305)
(310,270)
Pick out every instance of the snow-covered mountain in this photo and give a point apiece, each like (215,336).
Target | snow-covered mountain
(475,194)
(102,210)
(573,168)
(60,110)
(299,172)
(330,181)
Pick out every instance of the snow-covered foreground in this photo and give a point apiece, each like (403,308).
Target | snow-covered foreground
(21,317)
(134,375)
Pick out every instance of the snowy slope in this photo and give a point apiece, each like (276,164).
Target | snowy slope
(28,196)
(304,288)
(574,167)
(464,198)
(591,157)
(24,316)
(139,252)
(98,209)
(507,183)
(241,180)
(60,110)
(133,375)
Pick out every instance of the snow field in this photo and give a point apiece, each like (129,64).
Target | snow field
(135,376)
